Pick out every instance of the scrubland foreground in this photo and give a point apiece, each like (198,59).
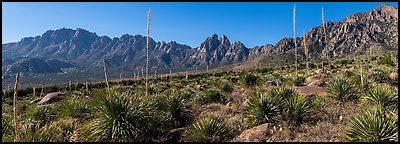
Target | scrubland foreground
(349,99)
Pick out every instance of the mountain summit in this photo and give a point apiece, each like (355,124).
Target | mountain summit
(67,50)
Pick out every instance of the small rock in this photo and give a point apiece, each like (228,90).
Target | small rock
(256,134)
(393,76)
(311,90)
(319,71)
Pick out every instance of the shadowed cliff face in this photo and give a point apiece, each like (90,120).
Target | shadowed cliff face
(79,50)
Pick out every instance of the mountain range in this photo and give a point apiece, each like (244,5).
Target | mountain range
(66,51)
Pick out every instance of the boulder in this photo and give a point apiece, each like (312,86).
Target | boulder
(51,98)
(36,100)
(393,76)
(317,80)
(311,90)
(256,134)
(275,82)
(319,71)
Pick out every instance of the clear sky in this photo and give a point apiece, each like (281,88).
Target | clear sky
(190,23)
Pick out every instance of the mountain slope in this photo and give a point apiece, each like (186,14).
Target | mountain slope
(83,51)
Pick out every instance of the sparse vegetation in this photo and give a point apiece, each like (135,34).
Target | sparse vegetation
(208,129)
(217,107)
(341,89)
(372,125)
(260,109)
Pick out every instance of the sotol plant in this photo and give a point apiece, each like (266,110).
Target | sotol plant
(260,109)
(177,112)
(381,96)
(119,118)
(341,89)
(208,129)
(372,126)
(298,109)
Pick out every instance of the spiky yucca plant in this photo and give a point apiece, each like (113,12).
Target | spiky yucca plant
(7,129)
(372,125)
(298,109)
(208,129)
(75,107)
(40,116)
(260,109)
(118,118)
(177,112)
(212,95)
(280,94)
(31,132)
(381,96)
(341,89)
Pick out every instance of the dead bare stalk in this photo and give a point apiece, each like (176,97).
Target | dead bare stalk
(294,32)
(147,47)
(105,74)
(15,109)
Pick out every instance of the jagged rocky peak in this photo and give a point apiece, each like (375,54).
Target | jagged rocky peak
(384,12)
(224,40)
(214,40)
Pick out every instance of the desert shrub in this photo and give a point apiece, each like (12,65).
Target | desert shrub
(58,131)
(208,129)
(302,66)
(7,128)
(212,95)
(318,102)
(332,66)
(250,79)
(75,107)
(298,109)
(299,81)
(177,113)
(341,89)
(372,125)
(234,79)
(266,70)
(381,96)
(40,116)
(280,94)
(227,87)
(312,65)
(119,118)
(260,109)
(30,132)
(363,85)
(385,60)
(379,76)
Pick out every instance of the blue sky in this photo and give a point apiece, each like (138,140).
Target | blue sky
(190,23)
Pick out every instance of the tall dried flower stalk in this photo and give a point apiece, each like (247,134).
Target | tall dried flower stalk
(15,109)
(147,47)
(326,39)
(34,92)
(305,49)
(41,92)
(294,32)
(105,73)
(87,87)
(70,86)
